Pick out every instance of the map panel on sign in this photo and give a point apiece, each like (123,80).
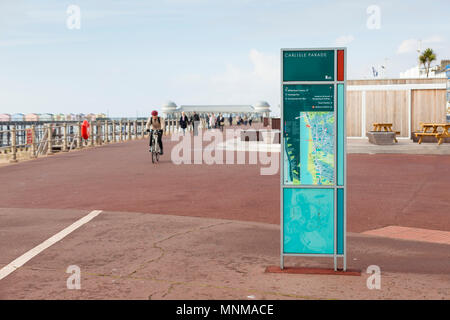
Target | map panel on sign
(309,139)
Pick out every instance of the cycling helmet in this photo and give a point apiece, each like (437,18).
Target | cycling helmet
(154,113)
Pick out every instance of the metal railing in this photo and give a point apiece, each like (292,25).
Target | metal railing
(40,138)
(48,138)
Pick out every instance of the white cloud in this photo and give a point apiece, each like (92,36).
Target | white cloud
(344,40)
(412,45)
(235,85)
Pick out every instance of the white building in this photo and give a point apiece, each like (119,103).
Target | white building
(260,109)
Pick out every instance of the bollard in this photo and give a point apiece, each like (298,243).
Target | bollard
(91,133)
(129,130)
(13,145)
(120,131)
(64,148)
(113,125)
(49,140)
(33,141)
(80,138)
(106,132)
(98,137)
(135,129)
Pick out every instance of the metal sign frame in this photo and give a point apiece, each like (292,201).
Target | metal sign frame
(335,185)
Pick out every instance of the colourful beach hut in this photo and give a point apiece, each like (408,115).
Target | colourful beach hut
(17,117)
(31,117)
(59,117)
(46,117)
(5,117)
(91,117)
(71,117)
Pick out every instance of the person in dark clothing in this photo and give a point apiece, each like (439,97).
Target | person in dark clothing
(250,121)
(207,120)
(195,122)
(184,121)
(230,119)
(221,121)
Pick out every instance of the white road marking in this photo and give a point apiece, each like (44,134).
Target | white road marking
(20,261)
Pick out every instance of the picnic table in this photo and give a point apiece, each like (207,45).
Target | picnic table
(440,135)
(379,126)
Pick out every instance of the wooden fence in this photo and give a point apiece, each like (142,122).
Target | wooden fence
(403,102)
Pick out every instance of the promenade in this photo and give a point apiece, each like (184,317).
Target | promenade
(196,231)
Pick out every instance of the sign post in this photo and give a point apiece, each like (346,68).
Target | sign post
(447,71)
(313,154)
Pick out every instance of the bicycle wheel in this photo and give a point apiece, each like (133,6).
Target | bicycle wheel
(157,157)
(153,156)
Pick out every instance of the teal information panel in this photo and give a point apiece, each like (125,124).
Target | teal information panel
(340,222)
(341,134)
(309,143)
(312,65)
(308,221)
(313,153)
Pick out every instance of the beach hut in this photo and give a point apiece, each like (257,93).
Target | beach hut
(5,117)
(91,117)
(46,117)
(80,116)
(31,117)
(59,117)
(17,117)
(101,116)
(71,117)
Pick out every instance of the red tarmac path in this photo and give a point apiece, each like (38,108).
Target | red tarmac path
(140,247)
(383,189)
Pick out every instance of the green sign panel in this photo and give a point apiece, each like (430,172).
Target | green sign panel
(311,65)
(313,153)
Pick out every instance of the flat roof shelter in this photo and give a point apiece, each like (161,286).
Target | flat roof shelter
(261,109)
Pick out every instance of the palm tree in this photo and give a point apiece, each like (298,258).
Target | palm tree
(426,58)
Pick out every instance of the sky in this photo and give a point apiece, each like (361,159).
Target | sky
(130,57)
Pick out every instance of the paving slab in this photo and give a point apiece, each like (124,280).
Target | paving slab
(125,255)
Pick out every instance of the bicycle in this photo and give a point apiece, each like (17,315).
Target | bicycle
(155,150)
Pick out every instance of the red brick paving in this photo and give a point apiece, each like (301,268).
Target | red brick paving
(415,234)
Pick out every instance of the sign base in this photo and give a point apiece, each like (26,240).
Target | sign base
(301,270)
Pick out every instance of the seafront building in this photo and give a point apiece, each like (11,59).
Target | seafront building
(261,109)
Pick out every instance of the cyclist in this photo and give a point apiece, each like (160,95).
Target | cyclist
(155,123)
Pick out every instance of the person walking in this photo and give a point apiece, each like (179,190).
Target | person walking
(195,122)
(184,122)
(230,120)
(212,121)
(250,121)
(221,121)
(207,120)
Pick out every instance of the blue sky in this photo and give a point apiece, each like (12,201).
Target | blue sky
(129,57)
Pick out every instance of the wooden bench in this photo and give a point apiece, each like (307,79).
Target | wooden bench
(438,135)
(379,126)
